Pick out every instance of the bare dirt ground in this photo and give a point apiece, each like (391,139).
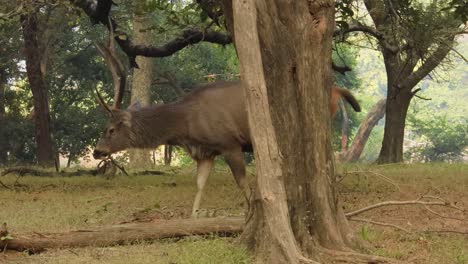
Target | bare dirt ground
(437,234)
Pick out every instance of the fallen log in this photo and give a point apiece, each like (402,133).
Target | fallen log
(122,234)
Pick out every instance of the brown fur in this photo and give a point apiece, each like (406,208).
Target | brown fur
(210,121)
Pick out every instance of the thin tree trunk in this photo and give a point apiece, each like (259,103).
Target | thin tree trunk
(141,84)
(45,151)
(167,155)
(375,114)
(395,117)
(71,156)
(285,52)
(3,149)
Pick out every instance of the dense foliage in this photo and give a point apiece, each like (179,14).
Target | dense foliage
(73,70)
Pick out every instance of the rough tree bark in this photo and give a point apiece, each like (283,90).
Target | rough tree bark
(353,153)
(141,84)
(45,150)
(285,55)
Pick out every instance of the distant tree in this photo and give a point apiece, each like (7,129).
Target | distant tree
(414,39)
(9,49)
(35,52)
(142,79)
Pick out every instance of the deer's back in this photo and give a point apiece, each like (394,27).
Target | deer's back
(217,117)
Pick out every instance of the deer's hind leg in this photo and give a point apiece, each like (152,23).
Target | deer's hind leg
(204,167)
(235,160)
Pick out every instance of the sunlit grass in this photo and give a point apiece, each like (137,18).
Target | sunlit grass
(56,204)
(186,251)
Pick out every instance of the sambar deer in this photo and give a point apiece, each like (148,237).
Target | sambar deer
(207,122)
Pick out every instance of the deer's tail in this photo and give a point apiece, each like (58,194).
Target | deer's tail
(349,97)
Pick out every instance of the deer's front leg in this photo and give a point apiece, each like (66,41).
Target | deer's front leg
(204,167)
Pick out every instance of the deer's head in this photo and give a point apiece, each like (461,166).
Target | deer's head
(116,136)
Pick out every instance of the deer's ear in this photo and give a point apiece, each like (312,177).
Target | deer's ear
(135,106)
(122,116)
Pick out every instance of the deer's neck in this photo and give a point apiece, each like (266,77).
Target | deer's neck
(157,125)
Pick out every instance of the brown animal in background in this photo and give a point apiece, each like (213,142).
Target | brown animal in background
(207,122)
(336,94)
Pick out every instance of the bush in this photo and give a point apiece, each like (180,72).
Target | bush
(442,140)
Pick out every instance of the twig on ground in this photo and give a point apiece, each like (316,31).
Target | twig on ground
(385,178)
(410,202)
(5,186)
(358,219)
(447,231)
(444,216)
(121,168)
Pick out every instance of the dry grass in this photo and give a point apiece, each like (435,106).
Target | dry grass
(54,204)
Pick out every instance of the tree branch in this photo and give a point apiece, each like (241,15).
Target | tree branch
(370,31)
(359,28)
(99,13)
(429,64)
(388,203)
(358,219)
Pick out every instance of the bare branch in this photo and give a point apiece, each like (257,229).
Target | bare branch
(357,27)
(389,203)
(385,178)
(414,93)
(445,216)
(358,219)
(447,231)
(459,54)
(429,64)
(422,98)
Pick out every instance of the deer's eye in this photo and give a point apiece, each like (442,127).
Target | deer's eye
(111,131)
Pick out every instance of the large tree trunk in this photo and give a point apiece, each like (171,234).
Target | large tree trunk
(3,149)
(141,84)
(398,101)
(285,52)
(375,114)
(45,150)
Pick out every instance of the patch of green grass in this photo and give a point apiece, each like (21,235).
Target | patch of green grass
(187,251)
(55,204)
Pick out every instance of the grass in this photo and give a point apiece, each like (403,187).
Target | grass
(56,204)
(187,251)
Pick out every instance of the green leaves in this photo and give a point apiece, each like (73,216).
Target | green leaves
(459,9)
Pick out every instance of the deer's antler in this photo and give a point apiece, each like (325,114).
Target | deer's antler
(117,69)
